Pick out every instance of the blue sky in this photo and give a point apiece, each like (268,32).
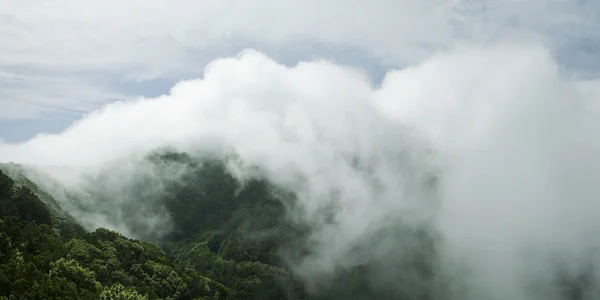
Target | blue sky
(61,59)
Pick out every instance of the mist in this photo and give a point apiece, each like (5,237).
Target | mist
(491,147)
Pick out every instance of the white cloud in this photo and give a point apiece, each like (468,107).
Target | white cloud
(115,34)
(515,142)
(138,40)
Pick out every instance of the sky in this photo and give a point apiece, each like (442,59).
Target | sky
(60,59)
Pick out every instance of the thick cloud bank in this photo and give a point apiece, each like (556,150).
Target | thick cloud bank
(510,140)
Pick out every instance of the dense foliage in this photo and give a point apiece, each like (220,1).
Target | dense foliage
(213,253)
(227,242)
(36,262)
(229,231)
(237,233)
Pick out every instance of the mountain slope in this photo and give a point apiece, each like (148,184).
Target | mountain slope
(37,263)
(62,220)
(233,236)
(227,239)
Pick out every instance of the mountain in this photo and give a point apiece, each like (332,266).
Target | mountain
(226,239)
(193,230)
(43,247)
(45,254)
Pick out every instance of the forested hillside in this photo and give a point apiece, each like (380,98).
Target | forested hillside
(229,240)
(39,261)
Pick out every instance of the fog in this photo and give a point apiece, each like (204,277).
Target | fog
(508,139)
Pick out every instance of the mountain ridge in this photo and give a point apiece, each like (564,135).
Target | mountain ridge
(235,233)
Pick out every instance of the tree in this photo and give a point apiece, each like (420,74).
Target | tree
(31,208)
(119,292)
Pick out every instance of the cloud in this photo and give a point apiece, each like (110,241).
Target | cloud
(141,40)
(44,96)
(100,34)
(511,137)
(518,147)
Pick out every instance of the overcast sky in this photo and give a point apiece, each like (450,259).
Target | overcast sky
(62,58)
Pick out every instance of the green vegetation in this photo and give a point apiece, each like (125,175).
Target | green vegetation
(226,243)
(212,253)
(36,262)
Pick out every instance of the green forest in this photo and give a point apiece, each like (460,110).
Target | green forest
(213,251)
(228,241)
